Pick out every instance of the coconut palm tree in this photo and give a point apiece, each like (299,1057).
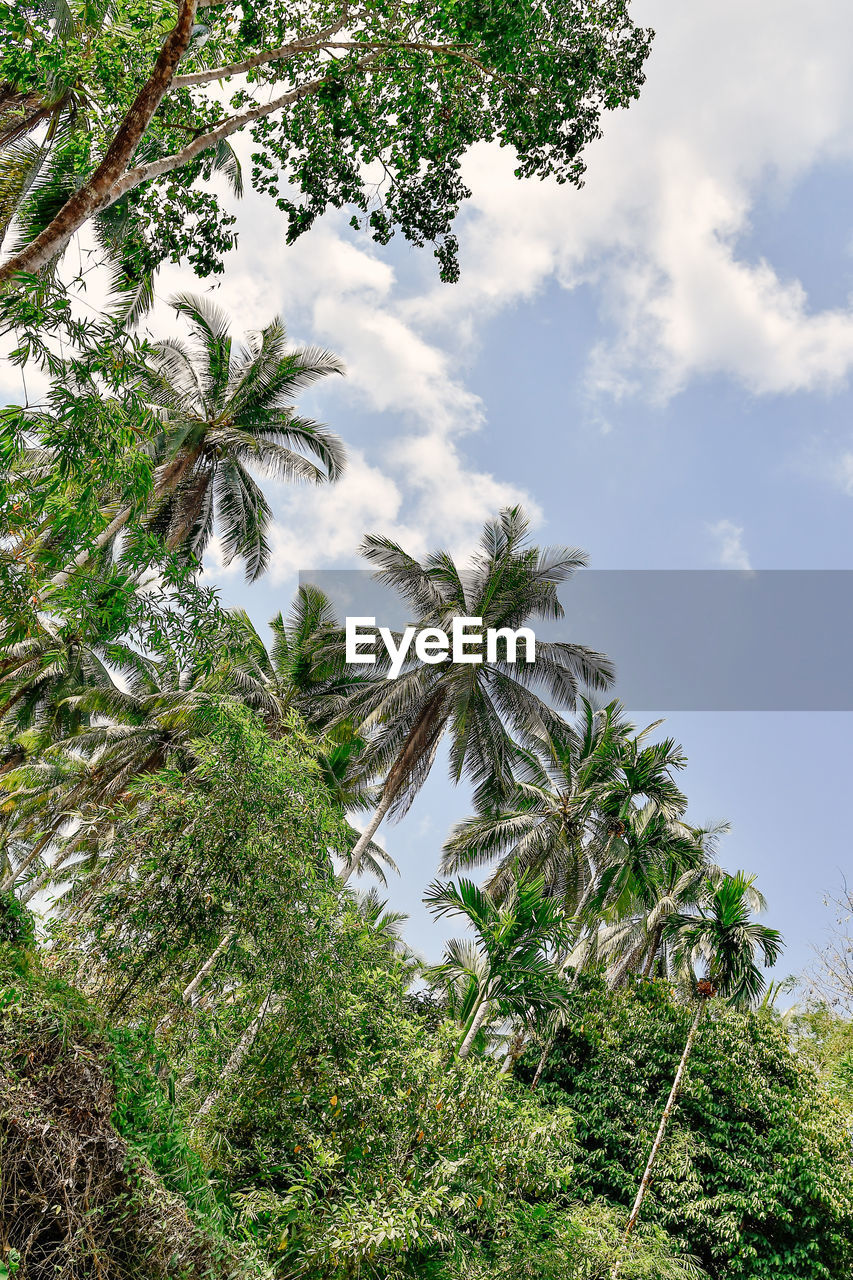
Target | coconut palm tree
(517,939)
(723,941)
(296,673)
(569,805)
(150,721)
(487,708)
(224,412)
(545,823)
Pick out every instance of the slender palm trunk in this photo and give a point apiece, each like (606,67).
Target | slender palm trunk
(189,991)
(83,557)
(366,836)
(653,950)
(480,1014)
(234,1063)
(662,1127)
(9,883)
(514,1052)
(549,1045)
(46,876)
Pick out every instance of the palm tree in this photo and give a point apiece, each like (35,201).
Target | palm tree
(296,673)
(656,859)
(224,413)
(570,805)
(487,707)
(514,938)
(138,728)
(723,940)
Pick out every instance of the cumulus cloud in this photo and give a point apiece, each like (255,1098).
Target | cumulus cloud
(729,546)
(739,98)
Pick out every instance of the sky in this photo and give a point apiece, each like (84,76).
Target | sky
(656,366)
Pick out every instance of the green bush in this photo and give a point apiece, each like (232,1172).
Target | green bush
(755,1177)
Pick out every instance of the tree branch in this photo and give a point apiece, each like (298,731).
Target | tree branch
(319,41)
(280,54)
(90,198)
(156,168)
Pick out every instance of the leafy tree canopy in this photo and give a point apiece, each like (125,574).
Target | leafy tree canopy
(122,112)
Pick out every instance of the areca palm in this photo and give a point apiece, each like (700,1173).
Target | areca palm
(486,708)
(226,411)
(515,940)
(723,941)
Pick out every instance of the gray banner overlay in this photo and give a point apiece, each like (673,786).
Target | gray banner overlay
(685,640)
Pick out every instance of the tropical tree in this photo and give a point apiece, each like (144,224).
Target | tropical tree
(659,866)
(297,673)
(150,720)
(723,940)
(328,94)
(569,806)
(487,707)
(223,413)
(516,938)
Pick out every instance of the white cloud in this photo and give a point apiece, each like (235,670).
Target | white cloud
(415,484)
(843,473)
(740,100)
(730,550)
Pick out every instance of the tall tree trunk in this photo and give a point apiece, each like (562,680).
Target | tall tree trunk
(189,991)
(514,1051)
(549,1045)
(367,835)
(9,883)
(83,557)
(621,968)
(47,875)
(95,194)
(662,1127)
(653,950)
(422,743)
(234,1063)
(474,1026)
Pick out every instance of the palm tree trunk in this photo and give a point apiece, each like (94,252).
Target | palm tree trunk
(514,1051)
(653,950)
(662,1127)
(44,879)
(549,1045)
(192,987)
(366,836)
(620,971)
(234,1063)
(83,557)
(9,883)
(480,1015)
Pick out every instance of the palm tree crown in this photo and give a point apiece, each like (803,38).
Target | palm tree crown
(226,412)
(489,707)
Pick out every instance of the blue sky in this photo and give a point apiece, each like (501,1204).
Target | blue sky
(657,366)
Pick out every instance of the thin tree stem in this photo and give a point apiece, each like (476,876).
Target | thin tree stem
(656,1145)
(366,836)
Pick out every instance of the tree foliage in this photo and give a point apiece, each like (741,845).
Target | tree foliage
(106,113)
(755,1176)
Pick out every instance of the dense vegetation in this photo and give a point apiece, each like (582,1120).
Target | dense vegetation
(218,1057)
